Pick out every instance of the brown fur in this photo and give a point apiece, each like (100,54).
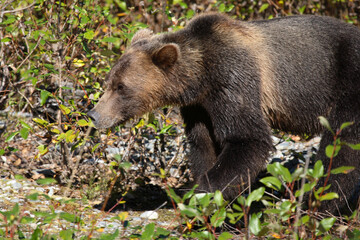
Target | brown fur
(234,81)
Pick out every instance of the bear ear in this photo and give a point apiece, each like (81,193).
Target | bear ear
(141,34)
(167,55)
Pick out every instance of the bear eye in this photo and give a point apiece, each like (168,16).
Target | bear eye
(120,87)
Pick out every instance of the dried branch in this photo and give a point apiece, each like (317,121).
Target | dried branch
(17,10)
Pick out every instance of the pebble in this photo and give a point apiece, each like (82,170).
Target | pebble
(15,184)
(174,172)
(151,215)
(112,151)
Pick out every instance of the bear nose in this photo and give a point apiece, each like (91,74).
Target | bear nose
(93,115)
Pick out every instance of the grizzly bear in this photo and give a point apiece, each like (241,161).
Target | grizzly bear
(234,81)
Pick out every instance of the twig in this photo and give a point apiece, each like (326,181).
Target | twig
(18,10)
(346,201)
(27,57)
(5,4)
(163,15)
(77,162)
(292,197)
(298,208)
(228,184)
(330,163)
(272,195)
(27,100)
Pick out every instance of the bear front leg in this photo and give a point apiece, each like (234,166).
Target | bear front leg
(239,160)
(202,155)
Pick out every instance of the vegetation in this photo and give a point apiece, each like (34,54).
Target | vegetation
(54,56)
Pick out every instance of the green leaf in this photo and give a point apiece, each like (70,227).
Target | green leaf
(255,195)
(318,171)
(190,193)
(44,96)
(25,125)
(107,53)
(70,136)
(41,121)
(49,67)
(33,196)
(89,34)
(65,109)
(329,196)
(230,7)
(171,193)
(82,123)
(330,152)
(166,129)
(322,189)
(263,7)
(24,132)
(353,234)
(345,125)
(221,7)
(225,236)
(84,20)
(218,218)
(26,220)
(66,234)
(122,5)
(15,210)
(188,211)
(95,147)
(10,19)
(46,181)
(218,198)
(5,40)
(11,136)
(69,217)
(305,219)
(19,177)
(354,146)
(161,233)
(302,9)
(148,232)
(254,224)
(326,124)
(36,235)
(343,169)
(271,182)
(43,149)
(110,236)
(277,170)
(111,39)
(325,225)
(307,187)
(202,198)
(125,165)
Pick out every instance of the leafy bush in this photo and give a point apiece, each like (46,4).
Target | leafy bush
(54,56)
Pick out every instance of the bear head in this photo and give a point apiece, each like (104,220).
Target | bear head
(138,82)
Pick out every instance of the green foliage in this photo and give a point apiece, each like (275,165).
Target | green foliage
(52,50)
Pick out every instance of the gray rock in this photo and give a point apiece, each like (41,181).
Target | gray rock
(150,215)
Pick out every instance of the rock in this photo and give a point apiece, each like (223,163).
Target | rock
(112,151)
(174,172)
(15,184)
(150,215)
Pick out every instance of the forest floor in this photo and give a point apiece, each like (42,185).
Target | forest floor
(145,199)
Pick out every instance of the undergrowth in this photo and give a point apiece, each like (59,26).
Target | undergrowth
(54,56)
